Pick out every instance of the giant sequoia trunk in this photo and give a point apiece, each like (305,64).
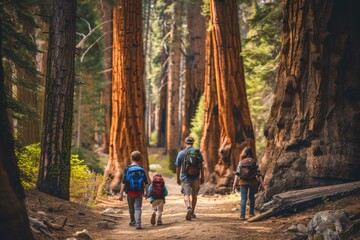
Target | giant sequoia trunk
(195,64)
(211,130)
(127,132)
(236,130)
(13,215)
(54,171)
(173,123)
(106,95)
(313,129)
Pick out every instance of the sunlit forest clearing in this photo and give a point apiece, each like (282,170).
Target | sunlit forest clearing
(83,84)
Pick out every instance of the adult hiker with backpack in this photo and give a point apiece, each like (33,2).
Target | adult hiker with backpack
(134,181)
(190,175)
(157,192)
(249,176)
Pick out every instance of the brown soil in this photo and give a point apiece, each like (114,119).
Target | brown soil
(217,218)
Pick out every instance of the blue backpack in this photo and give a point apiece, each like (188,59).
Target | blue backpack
(135,176)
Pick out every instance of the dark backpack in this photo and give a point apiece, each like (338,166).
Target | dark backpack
(192,162)
(248,169)
(135,177)
(157,190)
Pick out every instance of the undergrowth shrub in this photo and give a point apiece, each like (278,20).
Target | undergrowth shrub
(83,181)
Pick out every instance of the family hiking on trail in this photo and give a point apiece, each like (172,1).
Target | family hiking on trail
(189,175)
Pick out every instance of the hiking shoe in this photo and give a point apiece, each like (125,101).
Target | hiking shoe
(159,222)
(138,227)
(251,215)
(193,215)
(188,214)
(132,223)
(152,221)
(242,218)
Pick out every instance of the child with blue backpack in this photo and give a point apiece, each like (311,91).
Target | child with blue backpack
(134,182)
(157,192)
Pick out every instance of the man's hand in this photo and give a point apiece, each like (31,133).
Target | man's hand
(121,197)
(178,181)
(202,181)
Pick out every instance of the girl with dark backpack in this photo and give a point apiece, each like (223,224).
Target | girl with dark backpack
(249,176)
(157,192)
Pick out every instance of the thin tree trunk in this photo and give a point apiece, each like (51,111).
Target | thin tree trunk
(13,215)
(313,128)
(195,64)
(128,94)
(210,140)
(173,125)
(234,116)
(106,95)
(54,170)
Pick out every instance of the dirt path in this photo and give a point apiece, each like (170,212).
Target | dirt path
(216,219)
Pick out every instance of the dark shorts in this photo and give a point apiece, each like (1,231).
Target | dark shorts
(190,187)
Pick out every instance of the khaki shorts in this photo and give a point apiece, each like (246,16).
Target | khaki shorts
(190,187)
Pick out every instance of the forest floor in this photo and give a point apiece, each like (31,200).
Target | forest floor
(217,218)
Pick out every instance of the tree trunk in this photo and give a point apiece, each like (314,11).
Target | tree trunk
(313,128)
(54,170)
(173,123)
(236,130)
(195,64)
(211,131)
(106,95)
(128,94)
(13,215)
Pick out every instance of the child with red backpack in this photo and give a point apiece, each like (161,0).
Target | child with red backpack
(157,192)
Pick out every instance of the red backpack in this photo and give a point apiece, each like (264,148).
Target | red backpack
(248,169)
(157,190)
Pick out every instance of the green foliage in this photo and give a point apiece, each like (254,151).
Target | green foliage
(261,59)
(83,182)
(28,162)
(163,162)
(197,123)
(18,52)
(91,159)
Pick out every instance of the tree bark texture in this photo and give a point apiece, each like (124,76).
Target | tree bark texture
(54,170)
(313,128)
(173,122)
(195,64)
(210,140)
(236,130)
(128,94)
(106,95)
(13,215)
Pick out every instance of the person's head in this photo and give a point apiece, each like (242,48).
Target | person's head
(247,153)
(189,140)
(135,156)
(157,175)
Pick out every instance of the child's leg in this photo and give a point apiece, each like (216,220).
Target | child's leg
(160,209)
(131,204)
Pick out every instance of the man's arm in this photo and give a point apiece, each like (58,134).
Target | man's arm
(122,191)
(202,174)
(178,170)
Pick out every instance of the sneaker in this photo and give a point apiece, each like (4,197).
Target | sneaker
(193,215)
(251,215)
(138,227)
(152,221)
(159,222)
(188,214)
(242,218)
(132,223)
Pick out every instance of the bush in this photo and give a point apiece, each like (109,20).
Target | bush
(83,182)
(197,123)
